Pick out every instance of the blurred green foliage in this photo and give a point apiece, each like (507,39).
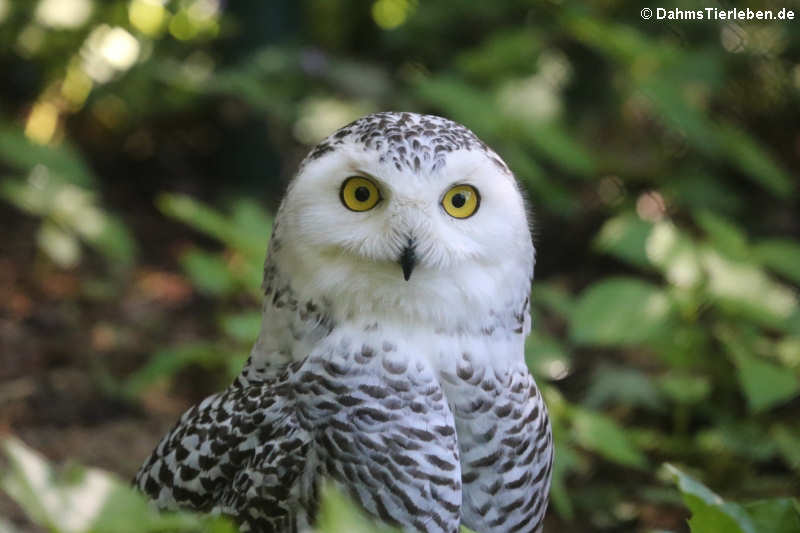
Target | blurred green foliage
(234,273)
(712,513)
(77,500)
(661,161)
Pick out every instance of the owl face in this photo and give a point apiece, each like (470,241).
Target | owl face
(420,215)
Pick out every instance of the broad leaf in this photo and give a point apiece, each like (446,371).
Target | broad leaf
(723,234)
(776,516)
(599,433)
(243,327)
(764,383)
(710,513)
(625,237)
(780,255)
(620,311)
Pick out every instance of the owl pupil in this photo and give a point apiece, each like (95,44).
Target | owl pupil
(458,200)
(362,194)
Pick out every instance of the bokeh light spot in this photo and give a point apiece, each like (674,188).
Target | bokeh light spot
(319,117)
(650,206)
(557,369)
(64,14)
(733,37)
(181,27)
(62,247)
(389,14)
(30,40)
(120,48)
(108,51)
(76,86)
(5,7)
(42,122)
(147,16)
(532,98)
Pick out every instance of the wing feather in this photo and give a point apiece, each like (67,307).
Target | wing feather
(236,451)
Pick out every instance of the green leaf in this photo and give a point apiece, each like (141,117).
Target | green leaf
(567,461)
(684,347)
(735,439)
(619,42)
(255,225)
(462,103)
(745,291)
(710,513)
(472,106)
(781,255)
(601,434)
(752,158)
(25,196)
(788,441)
(683,389)
(546,357)
(168,361)
(68,212)
(613,385)
(787,350)
(208,272)
(558,145)
(554,297)
(765,384)
(694,188)
(61,246)
(625,236)
(711,519)
(672,108)
(509,50)
(338,514)
(236,361)
(211,222)
(63,160)
(246,232)
(724,235)
(675,254)
(27,481)
(550,194)
(775,516)
(243,327)
(620,311)
(115,241)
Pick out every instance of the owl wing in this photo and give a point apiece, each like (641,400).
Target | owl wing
(239,453)
(506,448)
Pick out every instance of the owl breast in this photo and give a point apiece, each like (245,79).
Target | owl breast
(437,428)
(383,431)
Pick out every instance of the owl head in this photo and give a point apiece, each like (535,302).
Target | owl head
(406,216)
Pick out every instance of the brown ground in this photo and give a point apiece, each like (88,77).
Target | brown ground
(66,345)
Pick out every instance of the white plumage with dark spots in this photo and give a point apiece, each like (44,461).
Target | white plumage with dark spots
(390,358)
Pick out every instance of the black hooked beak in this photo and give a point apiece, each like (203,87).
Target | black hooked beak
(408,259)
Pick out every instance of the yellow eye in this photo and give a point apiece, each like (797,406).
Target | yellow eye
(461,201)
(359,194)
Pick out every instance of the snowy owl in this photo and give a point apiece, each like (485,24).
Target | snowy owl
(390,359)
